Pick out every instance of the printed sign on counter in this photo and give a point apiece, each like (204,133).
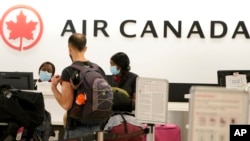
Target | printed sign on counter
(236,81)
(151,100)
(213,110)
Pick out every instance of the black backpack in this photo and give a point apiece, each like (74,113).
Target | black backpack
(23,107)
(121,100)
(20,108)
(95,93)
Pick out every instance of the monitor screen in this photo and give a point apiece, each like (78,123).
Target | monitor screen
(221,75)
(177,91)
(19,80)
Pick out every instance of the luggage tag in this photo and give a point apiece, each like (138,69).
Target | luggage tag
(19,133)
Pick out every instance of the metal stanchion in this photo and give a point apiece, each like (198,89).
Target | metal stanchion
(151,135)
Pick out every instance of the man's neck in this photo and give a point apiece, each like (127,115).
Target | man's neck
(79,57)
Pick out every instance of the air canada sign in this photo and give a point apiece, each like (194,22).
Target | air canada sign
(218,29)
(21,27)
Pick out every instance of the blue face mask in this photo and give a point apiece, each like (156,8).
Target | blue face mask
(114,70)
(45,76)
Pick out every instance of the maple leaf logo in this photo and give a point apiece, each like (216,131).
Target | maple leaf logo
(21,33)
(21,29)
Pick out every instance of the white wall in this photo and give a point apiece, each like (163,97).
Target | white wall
(176,59)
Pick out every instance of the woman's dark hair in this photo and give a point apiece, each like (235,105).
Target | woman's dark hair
(49,63)
(121,59)
(78,41)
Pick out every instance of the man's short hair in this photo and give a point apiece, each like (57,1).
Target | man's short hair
(78,41)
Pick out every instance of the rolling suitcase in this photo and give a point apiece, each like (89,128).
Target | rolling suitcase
(167,132)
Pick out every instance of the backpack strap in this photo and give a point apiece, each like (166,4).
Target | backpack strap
(79,67)
(124,120)
(91,66)
(83,69)
(124,123)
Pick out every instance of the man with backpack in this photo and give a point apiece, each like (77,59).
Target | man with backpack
(78,94)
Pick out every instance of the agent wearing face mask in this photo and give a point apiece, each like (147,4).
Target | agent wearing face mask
(126,80)
(122,77)
(46,71)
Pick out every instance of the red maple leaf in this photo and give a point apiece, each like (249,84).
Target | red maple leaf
(21,29)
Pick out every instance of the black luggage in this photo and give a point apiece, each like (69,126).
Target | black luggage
(20,108)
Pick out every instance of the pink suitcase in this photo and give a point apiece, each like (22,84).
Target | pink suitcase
(167,132)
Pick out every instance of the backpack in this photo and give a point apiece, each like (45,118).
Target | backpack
(25,108)
(121,100)
(94,93)
(20,109)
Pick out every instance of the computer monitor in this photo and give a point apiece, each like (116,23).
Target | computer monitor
(19,80)
(177,91)
(221,75)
